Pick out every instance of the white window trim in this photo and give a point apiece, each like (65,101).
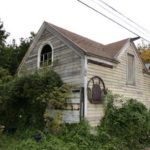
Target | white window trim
(39,53)
(127,81)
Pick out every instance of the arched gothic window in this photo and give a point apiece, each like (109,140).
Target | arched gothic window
(46,56)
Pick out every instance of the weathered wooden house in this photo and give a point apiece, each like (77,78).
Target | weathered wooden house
(91,67)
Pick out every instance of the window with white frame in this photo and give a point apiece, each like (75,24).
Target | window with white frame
(131,70)
(46,56)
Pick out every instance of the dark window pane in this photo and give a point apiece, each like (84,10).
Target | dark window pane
(46,55)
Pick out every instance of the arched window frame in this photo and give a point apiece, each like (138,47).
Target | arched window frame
(39,53)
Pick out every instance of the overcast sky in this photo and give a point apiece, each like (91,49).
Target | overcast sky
(20,17)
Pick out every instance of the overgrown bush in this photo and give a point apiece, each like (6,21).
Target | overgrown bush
(23,103)
(4,76)
(53,124)
(124,126)
(51,143)
(80,135)
(127,126)
(71,137)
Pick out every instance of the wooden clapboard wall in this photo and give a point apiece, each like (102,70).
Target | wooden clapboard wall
(67,63)
(116,80)
(71,114)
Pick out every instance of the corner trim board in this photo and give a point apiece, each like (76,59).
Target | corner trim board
(85,86)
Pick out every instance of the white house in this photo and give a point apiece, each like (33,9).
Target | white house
(91,67)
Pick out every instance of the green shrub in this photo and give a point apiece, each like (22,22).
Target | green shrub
(49,142)
(22,105)
(4,76)
(129,123)
(52,143)
(53,125)
(125,126)
(80,134)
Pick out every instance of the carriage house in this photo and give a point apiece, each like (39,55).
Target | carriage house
(91,67)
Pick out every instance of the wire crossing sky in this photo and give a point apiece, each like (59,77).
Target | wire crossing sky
(20,17)
(121,20)
(146,30)
(128,21)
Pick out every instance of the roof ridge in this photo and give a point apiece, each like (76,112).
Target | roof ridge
(74,33)
(90,46)
(117,41)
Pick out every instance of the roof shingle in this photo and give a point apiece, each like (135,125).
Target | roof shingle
(89,46)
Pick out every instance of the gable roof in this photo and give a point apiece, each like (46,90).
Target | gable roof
(91,47)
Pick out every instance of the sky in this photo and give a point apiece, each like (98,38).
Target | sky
(20,17)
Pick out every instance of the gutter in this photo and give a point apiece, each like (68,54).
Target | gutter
(134,39)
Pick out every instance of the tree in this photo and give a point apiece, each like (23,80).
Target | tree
(18,52)
(144,51)
(12,54)
(145,55)
(3,35)
(4,53)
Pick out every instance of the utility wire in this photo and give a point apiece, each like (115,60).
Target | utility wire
(124,16)
(122,19)
(112,20)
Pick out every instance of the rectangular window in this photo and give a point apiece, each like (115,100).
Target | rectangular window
(46,59)
(131,70)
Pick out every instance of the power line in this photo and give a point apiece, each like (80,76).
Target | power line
(122,19)
(109,18)
(124,16)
